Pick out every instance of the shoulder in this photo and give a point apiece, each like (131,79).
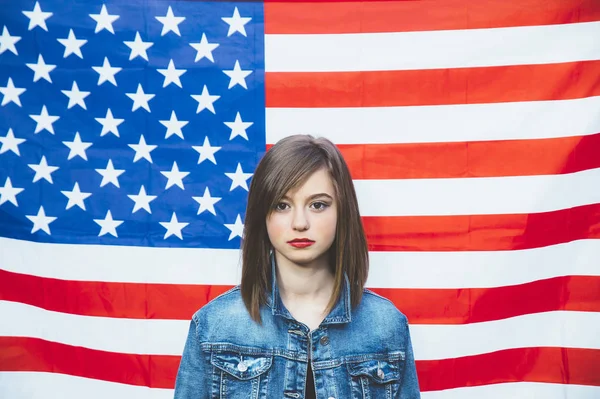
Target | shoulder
(381,303)
(379,311)
(227,307)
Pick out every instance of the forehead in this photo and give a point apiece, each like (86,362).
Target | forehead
(317,182)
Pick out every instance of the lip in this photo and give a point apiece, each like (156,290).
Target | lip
(301,243)
(300,240)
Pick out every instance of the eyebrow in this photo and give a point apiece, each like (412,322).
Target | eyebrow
(313,196)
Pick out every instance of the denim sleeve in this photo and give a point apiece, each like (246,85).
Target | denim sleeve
(410,382)
(193,376)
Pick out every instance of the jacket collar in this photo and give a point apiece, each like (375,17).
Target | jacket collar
(341,312)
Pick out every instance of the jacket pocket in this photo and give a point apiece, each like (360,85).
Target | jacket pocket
(239,375)
(376,377)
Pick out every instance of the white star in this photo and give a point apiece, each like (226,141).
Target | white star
(43,170)
(44,121)
(138,47)
(72,45)
(77,147)
(207,203)
(171,74)
(37,17)
(9,193)
(204,49)
(11,93)
(238,179)
(41,221)
(237,229)
(205,100)
(7,42)
(236,23)
(104,20)
(237,75)
(110,174)
(108,225)
(206,151)
(140,99)
(10,143)
(175,177)
(174,126)
(142,201)
(109,124)
(142,150)
(238,127)
(107,72)
(170,23)
(173,227)
(41,69)
(76,97)
(76,197)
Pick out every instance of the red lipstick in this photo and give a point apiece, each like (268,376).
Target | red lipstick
(301,242)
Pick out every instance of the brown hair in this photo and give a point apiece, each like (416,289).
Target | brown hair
(287,165)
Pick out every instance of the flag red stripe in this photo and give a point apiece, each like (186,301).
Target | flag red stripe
(433,86)
(472,159)
(553,365)
(421,306)
(108,299)
(474,305)
(402,16)
(32,354)
(482,232)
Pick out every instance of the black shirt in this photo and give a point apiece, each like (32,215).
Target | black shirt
(309,392)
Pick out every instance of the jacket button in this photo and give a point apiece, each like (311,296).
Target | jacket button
(324,340)
(242,366)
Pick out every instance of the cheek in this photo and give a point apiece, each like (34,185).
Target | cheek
(328,225)
(275,227)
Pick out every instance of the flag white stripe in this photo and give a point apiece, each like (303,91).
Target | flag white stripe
(482,269)
(564,329)
(136,336)
(33,385)
(439,123)
(462,269)
(167,337)
(432,49)
(128,264)
(478,196)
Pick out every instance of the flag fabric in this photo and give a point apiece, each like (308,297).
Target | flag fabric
(129,132)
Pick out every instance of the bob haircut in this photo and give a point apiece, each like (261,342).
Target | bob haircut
(286,166)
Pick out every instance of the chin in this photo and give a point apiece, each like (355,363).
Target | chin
(303,257)
(302,260)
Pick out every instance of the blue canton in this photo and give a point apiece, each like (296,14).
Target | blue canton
(129,123)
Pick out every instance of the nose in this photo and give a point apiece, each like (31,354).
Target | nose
(300,220)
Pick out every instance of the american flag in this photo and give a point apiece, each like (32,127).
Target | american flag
(129,132)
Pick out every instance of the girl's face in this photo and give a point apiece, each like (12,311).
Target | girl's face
(302,226)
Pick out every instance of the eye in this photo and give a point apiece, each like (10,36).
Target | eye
(282,206)
(319,206)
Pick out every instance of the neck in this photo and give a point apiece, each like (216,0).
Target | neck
(312,282)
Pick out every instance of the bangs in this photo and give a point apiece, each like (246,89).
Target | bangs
(287,168)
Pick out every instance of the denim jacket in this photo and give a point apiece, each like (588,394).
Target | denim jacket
(364,352)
